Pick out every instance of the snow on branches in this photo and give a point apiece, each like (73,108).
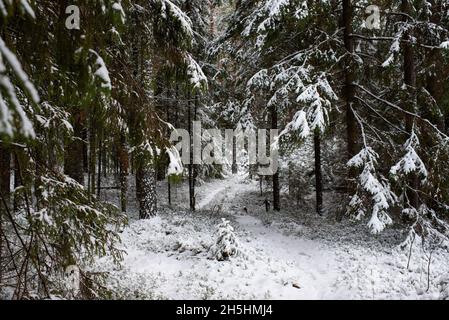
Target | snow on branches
(373,191)
(197,78)
(411,162)
(23,5)
(267,16)
(13,118)
(227,245)
(102,73)
(171,10)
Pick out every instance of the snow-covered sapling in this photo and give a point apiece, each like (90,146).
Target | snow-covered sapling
(227,244)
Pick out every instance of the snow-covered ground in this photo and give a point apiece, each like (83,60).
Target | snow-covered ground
(293,254)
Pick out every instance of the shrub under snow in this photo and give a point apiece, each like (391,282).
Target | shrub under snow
(227,244)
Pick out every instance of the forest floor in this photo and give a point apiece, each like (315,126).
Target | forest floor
(292,254)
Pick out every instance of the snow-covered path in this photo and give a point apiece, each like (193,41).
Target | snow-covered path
(310,262)
(313,262)
(168,257)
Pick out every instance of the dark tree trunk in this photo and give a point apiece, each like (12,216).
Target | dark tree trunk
(276,186)
(191,165)
(5,171)
(349,91)
(318,173)
(18,199)
(168,134)
(5,177)
(235,169)
(100,159)
(92,159)
(73,167)
(85,151)
(105,157)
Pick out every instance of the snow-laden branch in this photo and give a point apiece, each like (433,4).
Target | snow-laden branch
(10,106)
(171,10)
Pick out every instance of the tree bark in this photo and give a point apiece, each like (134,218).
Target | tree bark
(349,91)
(85,152)
(92,158)
(235,169)
(318,173)
(168,134)
(100,159)
(5,171)
(144,167)
(18,199)
(5,176)
(146,175)
(191,165)
(73,167)
(276,186)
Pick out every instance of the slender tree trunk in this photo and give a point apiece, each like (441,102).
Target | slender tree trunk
(235,168)
(5,171)
(92,158)
(85,152)
(124,171)
(105,157)
(100,159)
(195,167)
(349,91)
(318,173)
(73,167)
(276,187)
(18,200)
(168,178)
(5,176)
(191,165)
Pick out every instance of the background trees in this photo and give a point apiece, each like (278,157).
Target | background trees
(318,63)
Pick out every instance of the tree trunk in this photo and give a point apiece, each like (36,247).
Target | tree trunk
(235,169)
(168,134)
(146,176)
(349,92)
(5,176)
(5,172)
(318,173)
(73,167)
(18,199)
(85,152)
(92,159)
(276,187)
(191,165)
(100,159)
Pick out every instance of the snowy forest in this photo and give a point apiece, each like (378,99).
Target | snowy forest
(333,182)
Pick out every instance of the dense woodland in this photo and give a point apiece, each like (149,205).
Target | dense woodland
(81,107)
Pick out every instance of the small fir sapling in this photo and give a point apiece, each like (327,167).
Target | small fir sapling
(227,245)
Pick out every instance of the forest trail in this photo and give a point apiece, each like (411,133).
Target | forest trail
(216,193)
(312,263)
